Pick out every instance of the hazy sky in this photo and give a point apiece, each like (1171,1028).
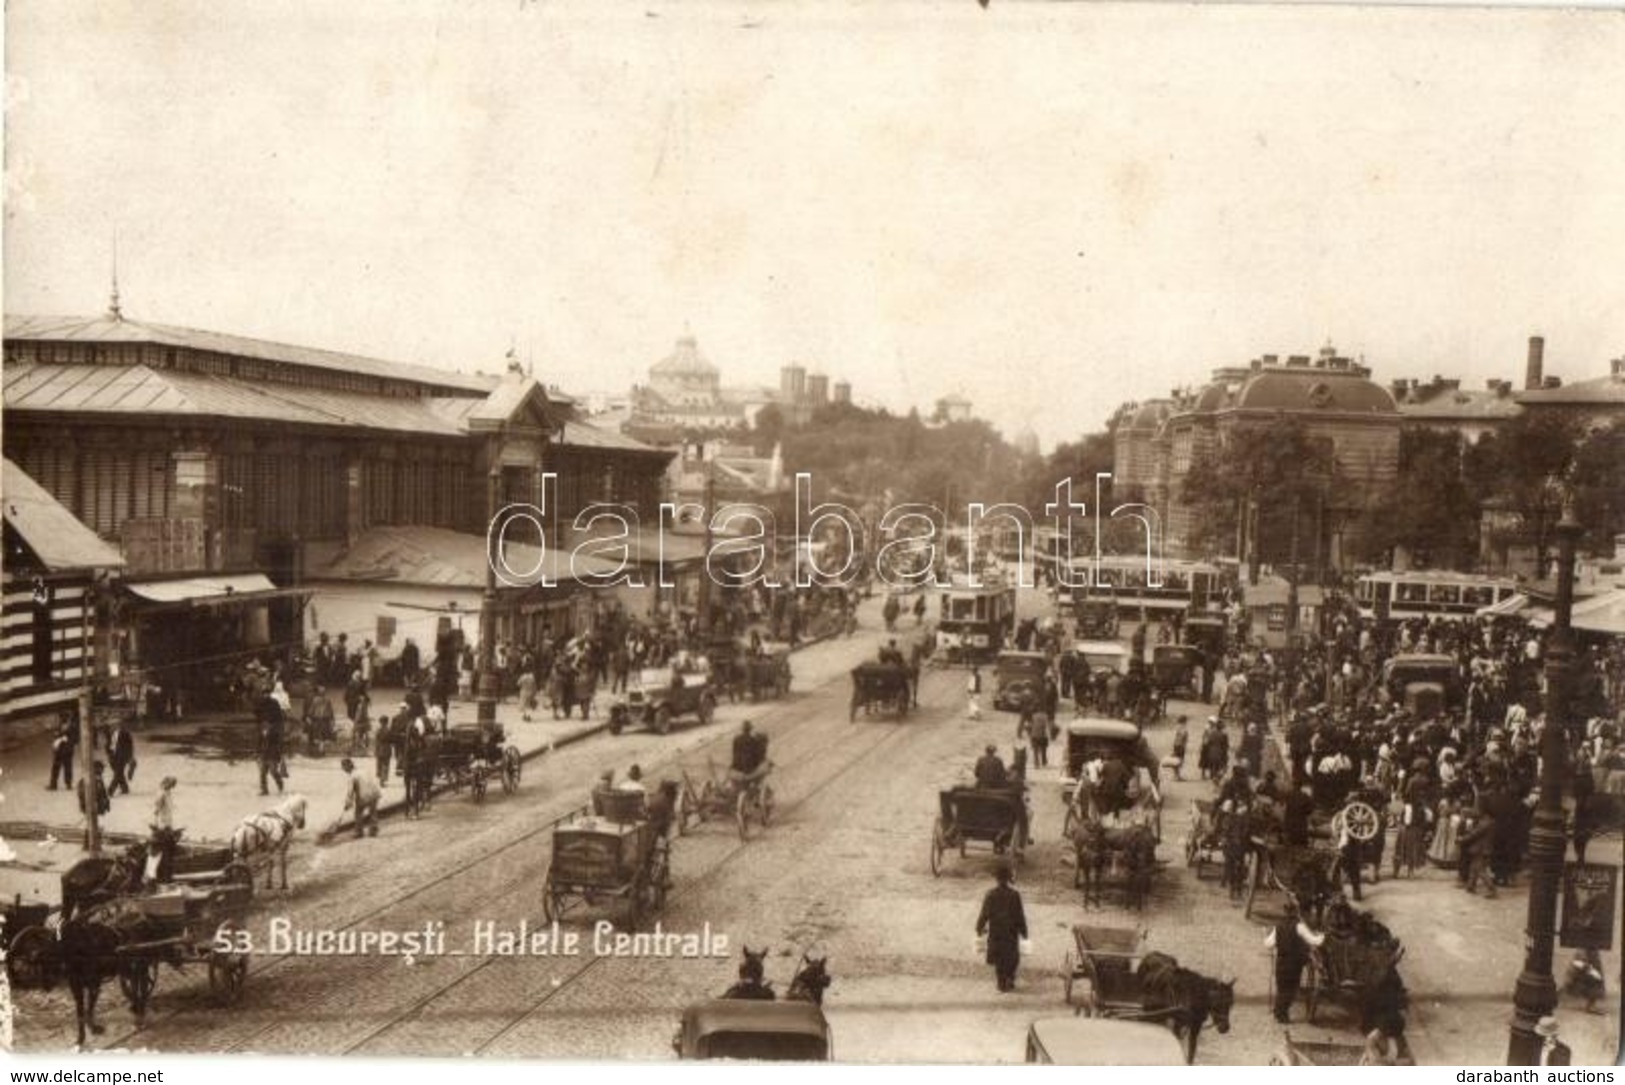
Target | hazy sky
(1051,209)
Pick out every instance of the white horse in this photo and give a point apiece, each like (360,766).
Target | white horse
(270,832)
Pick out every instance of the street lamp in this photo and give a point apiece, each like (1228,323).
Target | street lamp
(1535,995)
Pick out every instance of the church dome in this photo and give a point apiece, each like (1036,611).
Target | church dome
(684,361)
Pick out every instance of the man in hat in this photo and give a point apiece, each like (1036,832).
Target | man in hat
(121,754)
(1291,939)
(63,747)
(990,771)
(361,795)
(1003,922)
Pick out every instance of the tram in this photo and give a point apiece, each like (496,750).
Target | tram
(1400,596)
(975,621)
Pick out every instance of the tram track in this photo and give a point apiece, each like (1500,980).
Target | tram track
(422,897)
(692,884)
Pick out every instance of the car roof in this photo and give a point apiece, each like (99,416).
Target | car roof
(1099,647)
(1098,728)
(1013,654)
(1084,1041)
(752,1015)
(1427,659)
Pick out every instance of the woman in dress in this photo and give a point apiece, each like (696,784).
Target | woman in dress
(1445,851)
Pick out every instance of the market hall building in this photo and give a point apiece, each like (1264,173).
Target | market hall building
(231,472)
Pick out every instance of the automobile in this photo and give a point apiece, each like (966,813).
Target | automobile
(1018,680)
(657,696)
(1097,617)
(1426,684)
(749,1029)
(1173,668)
(1090,1041)
(1099,656)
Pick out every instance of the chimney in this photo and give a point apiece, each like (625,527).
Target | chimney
(1533,375)
(1617,368)
(1397,388)
(1271,359)
(1298,359)
(1258,364)
(1552,382)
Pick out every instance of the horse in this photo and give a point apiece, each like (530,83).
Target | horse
(751,984)
(810,981)
(101,878)
(1185,999)
(87,947)
(270,831)
(420,763)
(1133,849)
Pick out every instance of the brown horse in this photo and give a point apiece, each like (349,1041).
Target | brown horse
(810,982)
(1184,999)
(752,984)
(1131,851)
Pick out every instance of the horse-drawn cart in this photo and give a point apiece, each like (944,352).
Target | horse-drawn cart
(617,856)
(1347,970)
(181,926)
(718,795)
(1107,960)
(1305,875)
(996,817)
(881,687)
(465,756)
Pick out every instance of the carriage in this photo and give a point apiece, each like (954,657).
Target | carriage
(1090,739)
(995,817)
(1304,874)
(744,1029)
(465,756)
(884,686)
(1067,1041)
(1326,1052)
(1204,843)
(615,855)
(1346,969)
(1107,959)
(718,795)
(757,675)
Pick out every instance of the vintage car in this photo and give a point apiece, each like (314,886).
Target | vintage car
(1090,1041)
(1174,668)
(749,1029)
(1095,657)
(1018,680)
(659,695)
(1096,617)
(1426,685)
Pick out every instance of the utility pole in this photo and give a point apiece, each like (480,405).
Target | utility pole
(1535,994)
(87,731)
(487,684)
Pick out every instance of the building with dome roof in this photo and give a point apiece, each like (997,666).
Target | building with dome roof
(1335,399)
(685,395)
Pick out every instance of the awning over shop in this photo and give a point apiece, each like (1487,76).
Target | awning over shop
(1515,603)
(58,540)
(204,591)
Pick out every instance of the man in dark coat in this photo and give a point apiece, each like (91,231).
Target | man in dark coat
(990,770)
(271,736)
(1004,922)
(121,754)
(1291,939)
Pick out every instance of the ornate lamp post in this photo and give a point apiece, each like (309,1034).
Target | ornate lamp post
(1535,995)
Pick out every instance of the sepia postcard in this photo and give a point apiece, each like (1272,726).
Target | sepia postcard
(916,532)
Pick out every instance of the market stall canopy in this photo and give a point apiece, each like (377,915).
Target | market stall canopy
(1515,603)
(216,590)
(57,539)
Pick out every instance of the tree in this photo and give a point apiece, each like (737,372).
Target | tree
(1528,464)
(1275,474)
(1431,509)
(1599,486)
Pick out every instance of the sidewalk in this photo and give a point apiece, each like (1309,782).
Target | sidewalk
(218,785)
(213,759)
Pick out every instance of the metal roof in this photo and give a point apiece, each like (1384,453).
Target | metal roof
(107,329)
(439,556)
(58,540)
(139,389)
(1598,390)
(585,435)
(1099,728)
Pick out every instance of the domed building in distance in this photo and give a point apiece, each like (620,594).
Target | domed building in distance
(1332,396)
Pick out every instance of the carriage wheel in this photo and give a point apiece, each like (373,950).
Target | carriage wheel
(1360,819)
(137,980)
(32,962)
(1068,976)
(767,805)
(706,803)
(1311,994)
(742,813)
(228,971)
(938,846)
(662,723)
(512,767)
(708,707)
(552,907)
